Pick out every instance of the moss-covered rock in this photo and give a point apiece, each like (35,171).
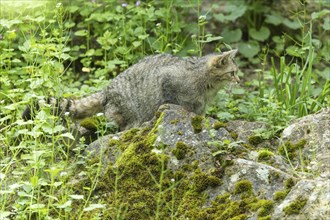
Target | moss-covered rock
(180,150)
(243,186)
(196,123)
(202,181)
(255,139)
(182,175)
(295,206)
(218,124)
(280,195)
(264,155)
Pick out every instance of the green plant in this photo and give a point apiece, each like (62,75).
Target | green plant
(78,47)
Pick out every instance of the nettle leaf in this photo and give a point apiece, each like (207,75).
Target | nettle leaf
(249,49)
(261,35)
(231,36)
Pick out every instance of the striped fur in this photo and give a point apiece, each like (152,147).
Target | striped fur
(135,95)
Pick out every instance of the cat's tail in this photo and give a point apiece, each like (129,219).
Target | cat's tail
(80,108)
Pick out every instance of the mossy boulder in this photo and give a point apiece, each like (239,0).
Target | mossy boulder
(168,169)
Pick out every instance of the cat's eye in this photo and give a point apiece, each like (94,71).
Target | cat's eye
(223,62)
(232,73)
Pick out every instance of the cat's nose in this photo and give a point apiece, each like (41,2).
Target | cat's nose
(237,79)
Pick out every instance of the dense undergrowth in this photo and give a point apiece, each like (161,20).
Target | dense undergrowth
(76,47)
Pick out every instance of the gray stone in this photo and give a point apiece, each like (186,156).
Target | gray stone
(315,129)
(217,152)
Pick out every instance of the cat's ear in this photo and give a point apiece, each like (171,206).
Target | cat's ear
(220,60)
(227,56)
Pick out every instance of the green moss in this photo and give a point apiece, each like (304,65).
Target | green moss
(280,195)
(243,186)
(240,217)
(139,200)
(90,124)
(139,182)
(225,198)
(294,207)
(264,155)
(223,207)
(180,150)
(231,211)
(248,146)
(129,135)
(289,183)
(301,143)
(264,207)
(113,142)
(234,135)
(268,217)
(151,138)
(174,122)
(255,139)
(196,123)
(180,133)
(218,124)
(202,181)
(288,150)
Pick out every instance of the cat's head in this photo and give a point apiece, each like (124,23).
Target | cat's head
(222,66)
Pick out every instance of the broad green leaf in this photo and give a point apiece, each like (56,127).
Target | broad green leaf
(261,35)
(136,43)
(90,52)
(68,135)
(2,176)
(69,24)
(326,24)
(234,12)
(211,39)
(279,43)
(94,206)
(37,206)
(5,214)
(294,24)
(238,91)
(230,36)
(78,197)
(274,18)
(65,205)
(8,23)
(81,33)
(320,14)
(293,51)
(225,116)
(249,49)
